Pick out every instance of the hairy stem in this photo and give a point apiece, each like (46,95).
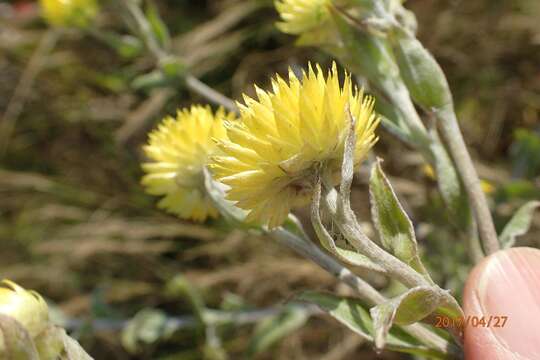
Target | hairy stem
(452,134)
(210,94)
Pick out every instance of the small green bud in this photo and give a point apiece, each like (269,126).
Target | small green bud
(172,67)
(365,54)
(422,74)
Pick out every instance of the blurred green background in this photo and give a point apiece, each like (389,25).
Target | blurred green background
(76,226)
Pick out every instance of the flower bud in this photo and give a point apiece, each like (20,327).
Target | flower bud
(300,16)
(69,13)
(27,307)
(422,74)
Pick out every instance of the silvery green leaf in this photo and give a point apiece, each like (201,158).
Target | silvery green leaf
(15,342)
(273,329)
(421,73)
(519,224)
(449,184)
(406,309)
(406,18)
(393,225)
(353,314)
(147,327)
(347,256)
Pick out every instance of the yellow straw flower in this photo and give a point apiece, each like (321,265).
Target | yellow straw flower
(69,12)
(272,156)
(299,16)
(27,307)
(179,149)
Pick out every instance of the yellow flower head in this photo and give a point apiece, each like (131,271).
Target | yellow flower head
(78,13)
(179,149)
(271,157)
(27,307)
(299,16)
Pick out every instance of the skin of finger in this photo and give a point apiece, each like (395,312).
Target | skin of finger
(503,292)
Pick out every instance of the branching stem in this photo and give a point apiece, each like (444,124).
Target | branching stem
(160,55)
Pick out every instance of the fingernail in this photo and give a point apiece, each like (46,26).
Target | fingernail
(510,287)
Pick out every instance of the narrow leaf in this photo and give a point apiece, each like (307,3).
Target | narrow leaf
(394,226)
(347,167)
(449,184)
(519,224)
(158,26)
(408,308)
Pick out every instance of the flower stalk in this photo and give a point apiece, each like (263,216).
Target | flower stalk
(452,134)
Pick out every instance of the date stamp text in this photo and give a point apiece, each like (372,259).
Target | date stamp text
(493,321)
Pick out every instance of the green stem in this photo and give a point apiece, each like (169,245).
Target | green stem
(452,134)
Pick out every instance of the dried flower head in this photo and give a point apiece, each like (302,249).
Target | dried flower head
(179,149)
(274,153)
(77,13)
(299,16)
(25,306)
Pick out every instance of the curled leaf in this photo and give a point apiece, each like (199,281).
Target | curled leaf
(408,308)
(327,241)
(519,224)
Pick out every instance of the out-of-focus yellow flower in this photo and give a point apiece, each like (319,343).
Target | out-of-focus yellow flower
(429,172)
(77,13)
(487,187)
(299,16)
(179,149)
(27,307)
(272,156)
